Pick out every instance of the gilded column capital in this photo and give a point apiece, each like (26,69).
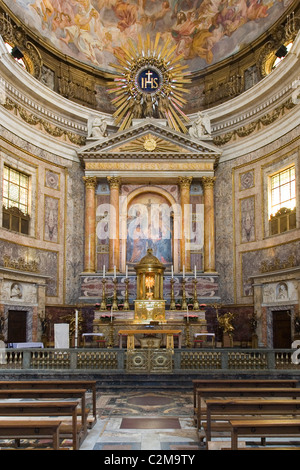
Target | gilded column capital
(114,182)
(90,182)
(208,181)
(185,181)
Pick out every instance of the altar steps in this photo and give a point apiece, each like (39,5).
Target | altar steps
(144,381)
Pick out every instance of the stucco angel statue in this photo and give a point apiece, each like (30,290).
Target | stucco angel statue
(200,127)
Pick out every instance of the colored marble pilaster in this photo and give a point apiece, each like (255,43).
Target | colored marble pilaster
(90,224)
(114,224)
(185,184)
(209,224)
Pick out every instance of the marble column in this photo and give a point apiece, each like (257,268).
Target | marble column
(114,224)
(90,224)
(209,223)
(185,184)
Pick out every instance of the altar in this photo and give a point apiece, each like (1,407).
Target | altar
(149,337)
(149,325)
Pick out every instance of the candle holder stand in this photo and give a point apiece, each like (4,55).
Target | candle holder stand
(184,304)
(172,303)
(126,301)
(115,303)
(110,343)
(196,303)
(187,335)
(103,301)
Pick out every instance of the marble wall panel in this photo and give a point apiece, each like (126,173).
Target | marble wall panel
(47,261)
(253,261)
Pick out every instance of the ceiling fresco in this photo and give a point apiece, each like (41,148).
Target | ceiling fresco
(203,31)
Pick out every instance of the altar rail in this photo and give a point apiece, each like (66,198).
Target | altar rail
(115,359)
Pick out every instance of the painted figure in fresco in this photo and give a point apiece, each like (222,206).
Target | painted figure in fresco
(136,245)
(162,248)
(80,32)
(94,28)
(126,14)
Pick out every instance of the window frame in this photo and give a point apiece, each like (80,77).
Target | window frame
(268,171)
(13,217)
(281,203)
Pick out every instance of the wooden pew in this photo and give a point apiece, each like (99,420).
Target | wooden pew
(37,429)
(237,383)
(243,393)
(263,428)
(226,410)
(53,384)
(49,394)
(43,409)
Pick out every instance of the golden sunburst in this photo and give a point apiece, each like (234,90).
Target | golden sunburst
(150,143)
(149,82)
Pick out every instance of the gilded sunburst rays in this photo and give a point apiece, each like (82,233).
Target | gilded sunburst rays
(150,143)
(149,82)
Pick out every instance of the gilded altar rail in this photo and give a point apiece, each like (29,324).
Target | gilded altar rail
(117,359)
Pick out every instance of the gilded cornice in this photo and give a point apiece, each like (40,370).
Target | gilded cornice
(258,124)
(44,125)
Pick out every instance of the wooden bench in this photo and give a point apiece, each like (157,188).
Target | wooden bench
(53,384)
(240,383)
(45,409)
(26,429)
(50,394)
(225,410)
(243,393)
(263,428)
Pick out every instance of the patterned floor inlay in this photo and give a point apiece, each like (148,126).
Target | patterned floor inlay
(150,423)
(145,420)
(144,403)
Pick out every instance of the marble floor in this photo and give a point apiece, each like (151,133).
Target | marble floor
(144,420)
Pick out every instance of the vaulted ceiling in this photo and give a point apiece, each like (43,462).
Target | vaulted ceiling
(204,31)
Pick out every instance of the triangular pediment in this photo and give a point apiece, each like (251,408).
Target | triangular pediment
(149,138)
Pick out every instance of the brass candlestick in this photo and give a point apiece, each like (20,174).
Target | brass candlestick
(172,304)
(196,303)
(187,335)
(184,304)
(103,301)
(110,343)
(126,302)
(115,303)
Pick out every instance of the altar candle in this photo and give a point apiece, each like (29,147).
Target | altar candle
(115,272)
(126,271)
(195,272)
(76,327)
(103,271)
(183,271)
(111,313)
(172,271)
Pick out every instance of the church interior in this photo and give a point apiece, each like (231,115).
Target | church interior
(150,225)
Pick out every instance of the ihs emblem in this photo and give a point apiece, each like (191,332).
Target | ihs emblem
(149,83)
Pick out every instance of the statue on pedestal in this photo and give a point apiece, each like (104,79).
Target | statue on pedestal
(98,130)
(200,128)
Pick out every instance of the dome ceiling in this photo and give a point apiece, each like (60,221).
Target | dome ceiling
(204,31)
